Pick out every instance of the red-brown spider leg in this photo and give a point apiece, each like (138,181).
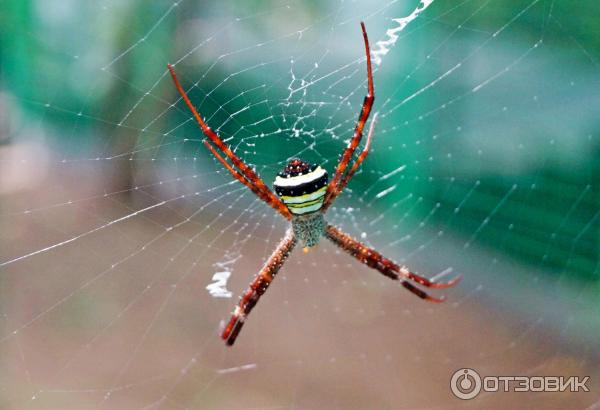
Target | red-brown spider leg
(375,260)
(355,166)
(211,135)
(362,119)
(258,287)
(278,206)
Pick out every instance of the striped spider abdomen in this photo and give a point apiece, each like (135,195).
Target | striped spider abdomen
(301,186)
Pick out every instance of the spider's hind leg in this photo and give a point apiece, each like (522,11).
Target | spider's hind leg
(258,287)
(375,260)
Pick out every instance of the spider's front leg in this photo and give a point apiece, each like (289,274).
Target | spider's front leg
(375,260)
(240,170)
(337,183)
(258,287)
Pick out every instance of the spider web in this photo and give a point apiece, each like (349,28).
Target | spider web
(123,240)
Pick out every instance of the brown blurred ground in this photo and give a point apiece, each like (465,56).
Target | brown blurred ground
(102,323)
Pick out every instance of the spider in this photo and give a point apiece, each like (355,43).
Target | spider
(303,195)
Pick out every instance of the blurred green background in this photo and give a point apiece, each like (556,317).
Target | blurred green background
(550,219)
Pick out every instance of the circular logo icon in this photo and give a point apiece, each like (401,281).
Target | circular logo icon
(465,384)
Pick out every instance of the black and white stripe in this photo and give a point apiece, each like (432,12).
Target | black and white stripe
(301,187)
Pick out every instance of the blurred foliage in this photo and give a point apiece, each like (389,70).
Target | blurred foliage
(547,216)
(549,219)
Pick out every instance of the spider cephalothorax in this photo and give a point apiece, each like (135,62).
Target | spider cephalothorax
(303,195)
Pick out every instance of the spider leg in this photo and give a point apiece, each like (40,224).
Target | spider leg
(244,170)
(359,160)
(375,260)
(362,119)
(277,205)
(258,287)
